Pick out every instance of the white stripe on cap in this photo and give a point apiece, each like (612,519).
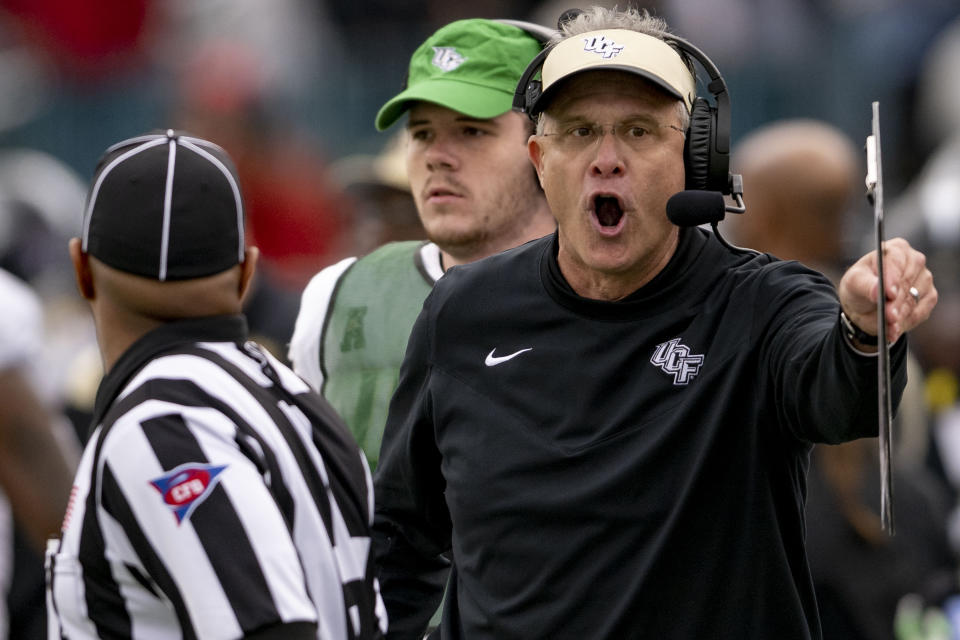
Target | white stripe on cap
(150,142)
(194,145)
(129,142)
(167,204)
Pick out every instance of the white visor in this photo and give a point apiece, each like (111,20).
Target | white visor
(619,50)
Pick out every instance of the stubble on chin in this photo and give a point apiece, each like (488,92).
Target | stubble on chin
(464,244)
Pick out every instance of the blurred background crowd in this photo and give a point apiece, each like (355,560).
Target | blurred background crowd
(290,89)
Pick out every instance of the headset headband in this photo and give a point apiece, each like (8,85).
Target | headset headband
(537,31)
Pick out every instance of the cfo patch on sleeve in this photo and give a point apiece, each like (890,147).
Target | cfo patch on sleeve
(186,486)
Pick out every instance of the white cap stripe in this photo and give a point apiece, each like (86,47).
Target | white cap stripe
(132,141)
(103,174)
(167,204)
(188,142)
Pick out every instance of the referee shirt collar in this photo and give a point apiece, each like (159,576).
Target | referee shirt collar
(225,328)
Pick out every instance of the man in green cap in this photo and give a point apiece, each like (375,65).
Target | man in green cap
(476,194)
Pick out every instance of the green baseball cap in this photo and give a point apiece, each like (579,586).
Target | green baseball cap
(471,66)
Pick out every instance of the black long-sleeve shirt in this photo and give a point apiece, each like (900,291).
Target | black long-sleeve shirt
(636,469)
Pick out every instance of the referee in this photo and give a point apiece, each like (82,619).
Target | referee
(217,496)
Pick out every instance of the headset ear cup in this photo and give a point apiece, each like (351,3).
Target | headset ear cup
(697,152)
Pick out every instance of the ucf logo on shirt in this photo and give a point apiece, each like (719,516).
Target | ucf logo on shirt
(675,359)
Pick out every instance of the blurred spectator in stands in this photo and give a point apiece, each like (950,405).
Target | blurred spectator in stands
(40,203)
(41,200)
(38,455)
(378,194)
(928,214)
(295,213)
(86,39)
(46,330)
(937,111)
(826,59)
(800,179)
(81,69)
(804,179)
(801,176)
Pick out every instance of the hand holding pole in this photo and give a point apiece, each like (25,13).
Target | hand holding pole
(874,181)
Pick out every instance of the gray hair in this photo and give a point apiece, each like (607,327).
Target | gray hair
(596,18)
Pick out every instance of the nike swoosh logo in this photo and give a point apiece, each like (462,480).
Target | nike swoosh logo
(493,360)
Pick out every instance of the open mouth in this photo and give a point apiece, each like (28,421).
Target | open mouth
(608,211)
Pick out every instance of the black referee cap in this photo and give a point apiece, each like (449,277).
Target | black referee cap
(165,206)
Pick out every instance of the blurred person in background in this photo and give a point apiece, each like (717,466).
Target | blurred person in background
(40,200)
(803,176)
(475,192)
(295,210)
(47,330)
(296,214)
(826,59)
(234,71)
(800,180)
(37,458)
(928,214)
(378,195)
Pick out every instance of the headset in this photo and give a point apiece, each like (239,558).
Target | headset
(707,146)
(540,33)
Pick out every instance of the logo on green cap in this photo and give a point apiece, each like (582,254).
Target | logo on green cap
(469,66)
(447,58)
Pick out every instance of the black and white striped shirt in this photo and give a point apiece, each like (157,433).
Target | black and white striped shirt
(217,497)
